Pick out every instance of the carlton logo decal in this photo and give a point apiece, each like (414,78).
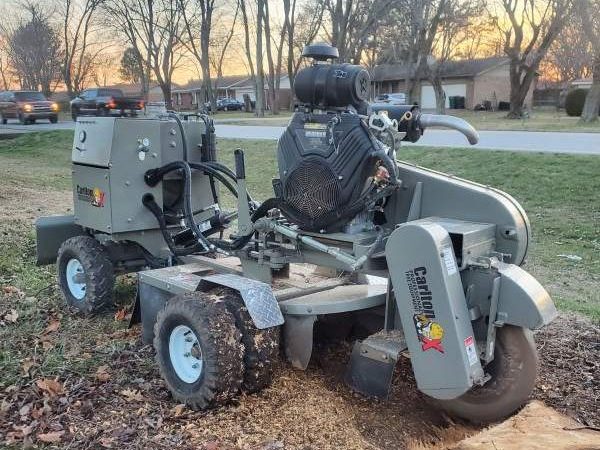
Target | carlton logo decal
(429,332)
(94,196)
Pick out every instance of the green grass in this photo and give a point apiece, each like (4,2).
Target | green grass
(559,192)
(542,119)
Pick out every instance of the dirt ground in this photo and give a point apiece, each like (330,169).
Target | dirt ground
(123,403)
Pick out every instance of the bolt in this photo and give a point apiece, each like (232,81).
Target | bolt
(128,183)
(195,366)
(187,355)
(129,219)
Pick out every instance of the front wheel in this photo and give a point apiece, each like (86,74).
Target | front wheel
(513,372)
(199,350)
(53,119)
(85,274)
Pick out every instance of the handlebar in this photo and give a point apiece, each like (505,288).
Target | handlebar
(454,123)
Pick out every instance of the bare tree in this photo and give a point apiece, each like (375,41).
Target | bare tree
(222,38)
(275,61)
(452,33)
(533,26)
(570,56)
(302,29)
(260,74)
(34,49)
(352,22)
(79,54)
(155,28)
(200,17)
(5,76)
(590,18)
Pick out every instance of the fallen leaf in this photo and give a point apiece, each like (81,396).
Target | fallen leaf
(132,395)
(27,365)
(102,374)
(52,326)
(11,316)
(24,410)
(52,438)
(52,387)
(11,290)
(178,410)
(121,314)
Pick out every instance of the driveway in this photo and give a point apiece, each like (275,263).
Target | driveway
(520,141)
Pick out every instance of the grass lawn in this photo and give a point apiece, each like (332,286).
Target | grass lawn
(544,119)
(559,192)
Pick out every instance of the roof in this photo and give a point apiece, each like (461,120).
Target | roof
(465,68)
(222,83)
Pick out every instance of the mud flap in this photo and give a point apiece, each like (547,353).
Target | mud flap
(257,296)
(432,308)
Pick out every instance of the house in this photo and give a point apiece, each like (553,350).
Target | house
(190,96)
(477,80)
(581,83)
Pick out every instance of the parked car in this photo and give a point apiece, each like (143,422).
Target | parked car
(105,102)
(27,107)
(226,104)
(398,98)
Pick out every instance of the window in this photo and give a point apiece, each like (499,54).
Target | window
(115,93)
(30,97)
(89,94)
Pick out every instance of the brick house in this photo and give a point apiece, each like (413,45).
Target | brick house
(477,80)
(190,96)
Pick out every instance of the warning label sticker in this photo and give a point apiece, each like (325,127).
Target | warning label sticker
(449,261)
(471,350)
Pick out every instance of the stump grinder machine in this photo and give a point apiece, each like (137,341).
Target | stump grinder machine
(427,265)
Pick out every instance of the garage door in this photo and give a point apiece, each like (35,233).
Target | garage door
(451,90)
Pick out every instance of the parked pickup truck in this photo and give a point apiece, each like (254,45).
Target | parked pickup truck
(105,102)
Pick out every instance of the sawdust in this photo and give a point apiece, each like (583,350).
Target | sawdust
(536,427)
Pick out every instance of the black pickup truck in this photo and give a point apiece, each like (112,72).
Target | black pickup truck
(105,102)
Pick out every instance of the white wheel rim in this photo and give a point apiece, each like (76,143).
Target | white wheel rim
(185,354)
(75,274)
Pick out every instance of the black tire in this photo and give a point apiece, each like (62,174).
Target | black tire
(219,343)
(53,119)
(261,347)
(513,371)
(21,118)
(102,112)
(3,119)
(98,274)
(74,115)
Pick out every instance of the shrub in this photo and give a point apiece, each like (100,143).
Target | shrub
(574,102)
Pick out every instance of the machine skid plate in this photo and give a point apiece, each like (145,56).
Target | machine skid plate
(432,308)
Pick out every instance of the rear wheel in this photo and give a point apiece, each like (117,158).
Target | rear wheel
(261,346)
(53,119)
(199,350)
(513,371)
(85,274)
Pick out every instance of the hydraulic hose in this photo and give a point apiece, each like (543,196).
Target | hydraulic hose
(150,203)
(153,176)
(454,123)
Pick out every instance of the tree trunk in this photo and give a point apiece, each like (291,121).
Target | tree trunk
(520,83)
(440,95)
(166,90)
(591,107)
(260,74)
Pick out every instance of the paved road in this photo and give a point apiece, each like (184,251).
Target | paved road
(528,141)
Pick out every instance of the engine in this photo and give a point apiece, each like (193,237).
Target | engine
(332,168)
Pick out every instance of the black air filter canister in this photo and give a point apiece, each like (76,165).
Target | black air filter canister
(332,85)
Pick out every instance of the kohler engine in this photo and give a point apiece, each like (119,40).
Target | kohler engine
(331,165)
